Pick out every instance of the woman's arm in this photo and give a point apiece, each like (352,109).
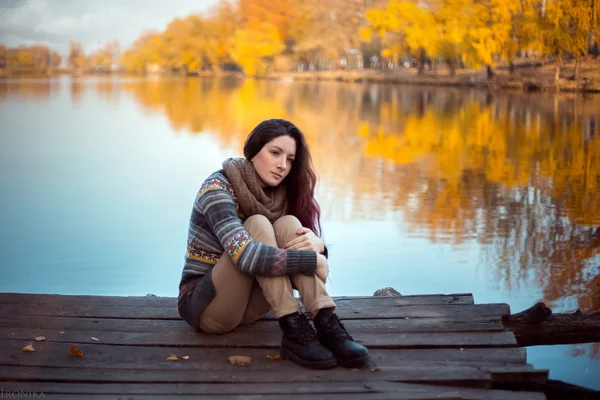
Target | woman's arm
(252,258)
(307,241)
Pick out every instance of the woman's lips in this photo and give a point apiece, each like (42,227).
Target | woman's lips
(276,175)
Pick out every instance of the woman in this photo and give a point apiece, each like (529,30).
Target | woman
(253,236)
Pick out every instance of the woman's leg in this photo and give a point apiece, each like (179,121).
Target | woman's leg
(233,288)
(275,291)
(312,289)
(298,342)
(239,299)
(331,332)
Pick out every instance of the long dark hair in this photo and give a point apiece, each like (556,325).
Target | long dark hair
(302,179)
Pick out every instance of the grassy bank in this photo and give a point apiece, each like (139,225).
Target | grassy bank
(525,77)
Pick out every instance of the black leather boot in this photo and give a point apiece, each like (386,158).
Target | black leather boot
(299,343)
(333,335)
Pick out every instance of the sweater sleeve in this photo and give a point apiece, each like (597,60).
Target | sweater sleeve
(250,257)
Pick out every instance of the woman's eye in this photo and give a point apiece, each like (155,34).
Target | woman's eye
(275,153)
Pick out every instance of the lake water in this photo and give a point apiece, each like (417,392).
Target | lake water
(427,190)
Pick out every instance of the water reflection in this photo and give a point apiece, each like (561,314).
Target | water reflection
(29,89)
(517,173)
(514,174)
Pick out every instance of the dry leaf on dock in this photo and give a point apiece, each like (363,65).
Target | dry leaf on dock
(240,361)
(40,338)
(175,357)
(75,352)
(28,349)
(275,357)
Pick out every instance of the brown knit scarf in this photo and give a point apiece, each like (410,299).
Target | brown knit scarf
(253,199)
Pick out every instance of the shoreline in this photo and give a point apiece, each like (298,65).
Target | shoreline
(502,81)
(526,81)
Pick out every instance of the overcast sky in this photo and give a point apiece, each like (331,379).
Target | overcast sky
(91,22)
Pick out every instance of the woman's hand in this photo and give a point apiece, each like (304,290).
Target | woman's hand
(322,267)
(307,241)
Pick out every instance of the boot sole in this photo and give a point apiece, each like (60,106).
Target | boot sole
(287,355)
(357,362)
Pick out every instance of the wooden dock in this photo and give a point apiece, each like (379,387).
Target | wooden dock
(422,347)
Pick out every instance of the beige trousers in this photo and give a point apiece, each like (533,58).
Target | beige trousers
(242,299)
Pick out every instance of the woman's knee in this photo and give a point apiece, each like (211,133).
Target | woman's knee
(257,222)
(285,229)
(287,223)
(260,229)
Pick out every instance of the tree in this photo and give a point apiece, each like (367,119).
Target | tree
(55,60)
(414,25)
(3,56)
(251,48)
(453,19)
(490,33)
(565,27)
(76,59)
(224,20)
(277,13)
(143,53)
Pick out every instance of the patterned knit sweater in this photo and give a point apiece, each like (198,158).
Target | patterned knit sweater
(216,230)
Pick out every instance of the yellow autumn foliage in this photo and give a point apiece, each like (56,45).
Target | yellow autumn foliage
(250,47)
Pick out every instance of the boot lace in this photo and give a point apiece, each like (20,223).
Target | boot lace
(306,333)
(335,327)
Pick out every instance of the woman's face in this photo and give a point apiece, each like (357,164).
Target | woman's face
(274,161)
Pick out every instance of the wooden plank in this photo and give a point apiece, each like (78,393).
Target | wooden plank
(237,338)
(370,390)
(323,388)
(137,357)
(121,357)
(507,355)
(345,396)
(517,373)
(456,395)
(350,396)
(353,326)
(459,312)
(453,375)
(171,302)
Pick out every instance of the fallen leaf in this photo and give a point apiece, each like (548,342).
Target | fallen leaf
(275,357)
(75,352)
(461,349)
(240,361)
(175,357)
(40,338)
(355,369)
(376,369)
(62,332)
(93,338)
(29,348)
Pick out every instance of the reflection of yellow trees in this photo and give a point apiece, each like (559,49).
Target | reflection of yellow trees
(29,90)
(518,176)
(592,350)
(485,172)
